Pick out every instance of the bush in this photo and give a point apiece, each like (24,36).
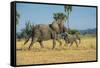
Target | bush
(73,31)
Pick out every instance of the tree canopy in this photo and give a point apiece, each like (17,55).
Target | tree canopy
(59,16)
(17,17)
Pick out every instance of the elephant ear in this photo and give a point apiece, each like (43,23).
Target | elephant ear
(65,29)
(61,26)
(55,26)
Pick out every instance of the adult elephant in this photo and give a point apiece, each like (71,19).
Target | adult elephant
(44,32)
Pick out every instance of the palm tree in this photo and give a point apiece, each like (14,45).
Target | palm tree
(59,17)
(17,17)
(68,9)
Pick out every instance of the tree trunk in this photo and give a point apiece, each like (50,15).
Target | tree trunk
(68,23)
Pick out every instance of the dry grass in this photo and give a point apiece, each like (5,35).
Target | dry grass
(62,53)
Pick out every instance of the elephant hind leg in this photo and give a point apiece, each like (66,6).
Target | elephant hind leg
(27,40)
(32,42)
(71,44)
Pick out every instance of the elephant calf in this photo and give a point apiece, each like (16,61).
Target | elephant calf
(70,39)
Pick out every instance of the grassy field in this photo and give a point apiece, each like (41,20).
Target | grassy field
(62,53)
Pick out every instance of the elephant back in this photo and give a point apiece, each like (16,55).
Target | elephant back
(45,31)
(43,28)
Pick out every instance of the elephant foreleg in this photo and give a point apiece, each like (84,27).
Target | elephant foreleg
(79,40)
(76,43)
(41,44)
(66,43)
(54,43)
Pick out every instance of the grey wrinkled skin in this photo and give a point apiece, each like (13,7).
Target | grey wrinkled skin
(43,32)
(70,39)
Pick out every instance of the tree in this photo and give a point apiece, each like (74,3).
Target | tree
(18,36)
(27,30)
(73,31)
(59,17)
(68,10)
(17,17)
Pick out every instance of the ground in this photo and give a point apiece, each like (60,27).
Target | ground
(62,53)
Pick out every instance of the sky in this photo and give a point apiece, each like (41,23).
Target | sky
(80,18)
